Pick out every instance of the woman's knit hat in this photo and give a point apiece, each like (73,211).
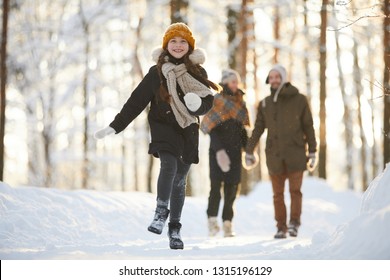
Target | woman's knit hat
(230,75)
(178,29)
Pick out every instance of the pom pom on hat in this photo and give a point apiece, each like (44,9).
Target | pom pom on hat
(178,29)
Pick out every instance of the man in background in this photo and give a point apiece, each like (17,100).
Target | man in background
(291,146)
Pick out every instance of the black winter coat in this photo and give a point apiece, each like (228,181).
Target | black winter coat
(166,134)
(231,136)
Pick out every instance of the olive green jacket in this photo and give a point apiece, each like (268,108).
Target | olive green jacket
(290,131)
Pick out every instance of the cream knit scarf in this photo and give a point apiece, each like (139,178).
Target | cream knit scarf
(177,74)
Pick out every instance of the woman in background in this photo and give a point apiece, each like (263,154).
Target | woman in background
(226,125)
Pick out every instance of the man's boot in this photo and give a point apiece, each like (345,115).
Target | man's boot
(280,234)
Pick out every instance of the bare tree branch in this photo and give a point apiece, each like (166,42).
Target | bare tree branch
(343,3)
(355,21)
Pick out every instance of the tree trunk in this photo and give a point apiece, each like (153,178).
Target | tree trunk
(48,103)
(179,10)
(48,121)
(85,91)
(241,59)
(291,52)
(85,171)
(34,169)
(243,48)
(3,67)
(276,32)
(357,79)
(375,155)
(363,148)
(136,72)
(306,61)
(48,140)
(348,125)
(386,82)
(232,29)
(237,52)
(323,145)
(256,172)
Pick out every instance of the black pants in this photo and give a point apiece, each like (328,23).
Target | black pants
(230,193)
(171,184)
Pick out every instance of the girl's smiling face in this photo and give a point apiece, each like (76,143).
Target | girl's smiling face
(178,47)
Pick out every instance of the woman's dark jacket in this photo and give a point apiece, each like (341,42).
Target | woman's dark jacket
(166,133)
(231,136)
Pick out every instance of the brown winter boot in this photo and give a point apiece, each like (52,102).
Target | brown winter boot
(293,229)
(280,234)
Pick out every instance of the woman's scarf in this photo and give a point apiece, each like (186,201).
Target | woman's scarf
(225,107)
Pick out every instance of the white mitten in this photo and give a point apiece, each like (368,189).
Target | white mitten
(223,160)
(193,101)
(250,161)
(311,161)
(100,134)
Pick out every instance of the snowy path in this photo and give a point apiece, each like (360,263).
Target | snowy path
(38,223)
(242,247)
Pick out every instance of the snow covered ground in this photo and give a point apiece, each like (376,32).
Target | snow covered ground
(38,223)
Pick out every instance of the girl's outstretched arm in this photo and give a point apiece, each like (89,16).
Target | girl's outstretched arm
(139,99)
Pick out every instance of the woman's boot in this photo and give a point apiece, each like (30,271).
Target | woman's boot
(228,229)
(158,223)
(213,226)
(175,241)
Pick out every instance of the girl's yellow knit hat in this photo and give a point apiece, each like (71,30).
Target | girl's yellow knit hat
(178,29)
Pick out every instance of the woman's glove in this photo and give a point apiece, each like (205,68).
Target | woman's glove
(223,160)
(193,101)
(311,161)
(100,134)
(250,161)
